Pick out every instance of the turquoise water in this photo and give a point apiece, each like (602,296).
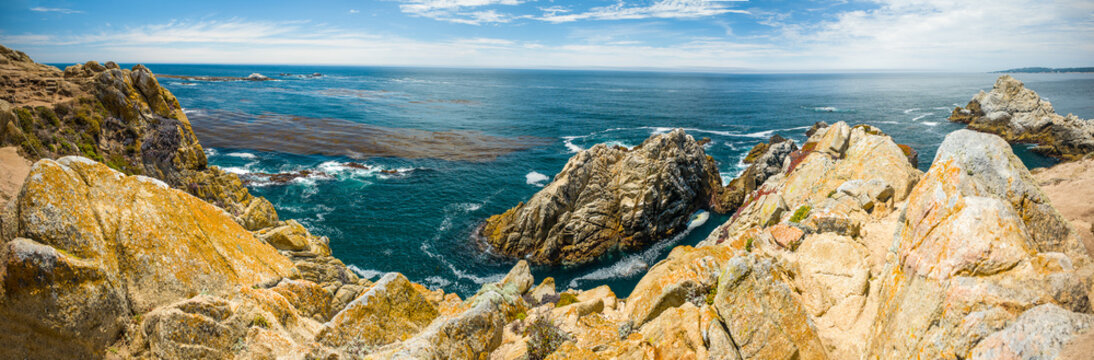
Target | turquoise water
(418,220)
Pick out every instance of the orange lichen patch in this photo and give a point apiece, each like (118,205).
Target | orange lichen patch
(786,236)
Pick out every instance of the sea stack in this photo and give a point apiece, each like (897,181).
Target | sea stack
(1018,114)
(607,198)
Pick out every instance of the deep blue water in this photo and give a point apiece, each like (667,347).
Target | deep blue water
(419,221)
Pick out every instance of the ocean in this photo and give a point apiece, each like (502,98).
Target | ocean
(407,162)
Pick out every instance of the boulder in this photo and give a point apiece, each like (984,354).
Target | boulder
(392,310)
(609,198)
(687,274)
(764,316)
(767,160)
(1039,333)
(1018,114)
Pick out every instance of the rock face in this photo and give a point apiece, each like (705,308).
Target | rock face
(120,117)
(1019,114)
(609,198)
(977,245)
(79,256)
(767,160)
(1069,186)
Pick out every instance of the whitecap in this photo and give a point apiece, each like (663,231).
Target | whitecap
(909,111)
(922,116)
(242,155)
(365,273)
(825,109)
(569,142)
(437,282)
(210,152)
(929,123)
(238,170)
(536,179)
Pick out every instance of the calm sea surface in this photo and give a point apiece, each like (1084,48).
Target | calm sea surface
(418,221)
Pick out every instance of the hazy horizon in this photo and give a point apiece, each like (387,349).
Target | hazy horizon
(803,36)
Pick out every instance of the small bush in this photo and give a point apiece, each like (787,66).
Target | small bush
(48,114)
(713,293)
(800,214)
(260,320)
(522,315)
(748,244)
(544,337)
(565,299)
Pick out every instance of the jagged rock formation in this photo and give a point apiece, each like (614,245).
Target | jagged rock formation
(1018,114)
(119,117)
(766,159)
(1070,186)
(609,198)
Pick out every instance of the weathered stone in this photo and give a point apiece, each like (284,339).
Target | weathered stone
(763,314)
(388,312)
(1039,333)
(609,198)
(686,274)
(291,236)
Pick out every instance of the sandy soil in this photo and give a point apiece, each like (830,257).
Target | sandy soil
(1070,187)
(13,170)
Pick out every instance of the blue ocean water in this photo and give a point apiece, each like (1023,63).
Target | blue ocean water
(419,219)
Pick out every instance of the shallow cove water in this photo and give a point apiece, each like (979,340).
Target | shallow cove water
(418,219)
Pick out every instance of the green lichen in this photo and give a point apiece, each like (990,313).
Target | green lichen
(260,321)
(565,299)
(544,337)
(748,244)
(801,213)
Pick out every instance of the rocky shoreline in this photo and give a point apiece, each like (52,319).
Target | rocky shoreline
(838,249)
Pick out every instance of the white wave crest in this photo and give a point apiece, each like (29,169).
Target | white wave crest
(365,273)
(917,118)
(930,123)
(241,155)
(536,179)
(909,111)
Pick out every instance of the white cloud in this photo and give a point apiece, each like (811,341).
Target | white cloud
(662,9)
(56,10)
(353,11)
(953,35)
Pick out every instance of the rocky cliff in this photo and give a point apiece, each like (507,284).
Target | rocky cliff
(120,117)
(1018,114)
(610,198)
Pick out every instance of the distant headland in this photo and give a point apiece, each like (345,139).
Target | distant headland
(1048,70)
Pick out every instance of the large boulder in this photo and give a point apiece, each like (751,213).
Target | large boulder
(85,246)
(766,160)
(971,253)
(609,198)
(1018,114)
(762,312)
(392,310)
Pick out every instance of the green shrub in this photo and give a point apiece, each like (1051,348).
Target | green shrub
(260,320)
(544,337)
(748,244)
(48,114)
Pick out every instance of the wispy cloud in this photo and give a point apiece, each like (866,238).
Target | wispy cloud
(56,10)
(353,11)
(458,11)
(662,9)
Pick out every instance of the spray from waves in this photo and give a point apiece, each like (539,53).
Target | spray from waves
(210,152)
(917,118)
(536,179)
(635,264)
(365,273)
(759,134)
(480,280)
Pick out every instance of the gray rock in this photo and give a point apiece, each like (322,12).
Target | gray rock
(1039,333)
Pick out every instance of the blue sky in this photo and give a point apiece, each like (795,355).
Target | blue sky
(778,35)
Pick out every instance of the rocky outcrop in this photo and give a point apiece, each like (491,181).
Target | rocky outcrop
(86,247)
(767,160)
(119,117)
(1070,186)
(977,246)
(1018,114)
(609,198)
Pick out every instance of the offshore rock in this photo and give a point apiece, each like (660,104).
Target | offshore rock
(1018,114)
(79,258)
(609,198)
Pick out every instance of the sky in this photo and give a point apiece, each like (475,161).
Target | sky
(716,35)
